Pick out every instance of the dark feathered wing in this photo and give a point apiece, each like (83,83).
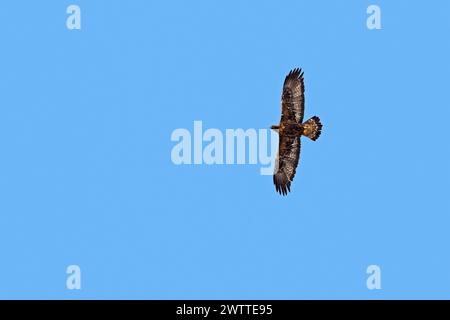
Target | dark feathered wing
(293,98)
(286,163)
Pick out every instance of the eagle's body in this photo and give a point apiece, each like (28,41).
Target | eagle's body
(290,130)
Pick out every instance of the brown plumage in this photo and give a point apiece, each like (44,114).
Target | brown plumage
(290,130)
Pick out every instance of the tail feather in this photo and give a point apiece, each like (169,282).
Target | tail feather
(312,128)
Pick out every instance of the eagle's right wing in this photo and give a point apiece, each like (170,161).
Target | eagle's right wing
(286,163)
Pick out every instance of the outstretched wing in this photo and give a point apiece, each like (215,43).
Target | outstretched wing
(286,163)
(292,98)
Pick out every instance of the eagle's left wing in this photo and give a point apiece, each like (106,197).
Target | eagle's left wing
(286,163)
(293,98)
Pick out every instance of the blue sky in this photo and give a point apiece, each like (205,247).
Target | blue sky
(87,178)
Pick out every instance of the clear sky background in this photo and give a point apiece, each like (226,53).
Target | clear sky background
(86,176)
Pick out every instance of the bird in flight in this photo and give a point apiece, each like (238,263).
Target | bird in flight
(290,130)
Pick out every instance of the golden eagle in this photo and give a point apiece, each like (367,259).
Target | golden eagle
(290,130)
